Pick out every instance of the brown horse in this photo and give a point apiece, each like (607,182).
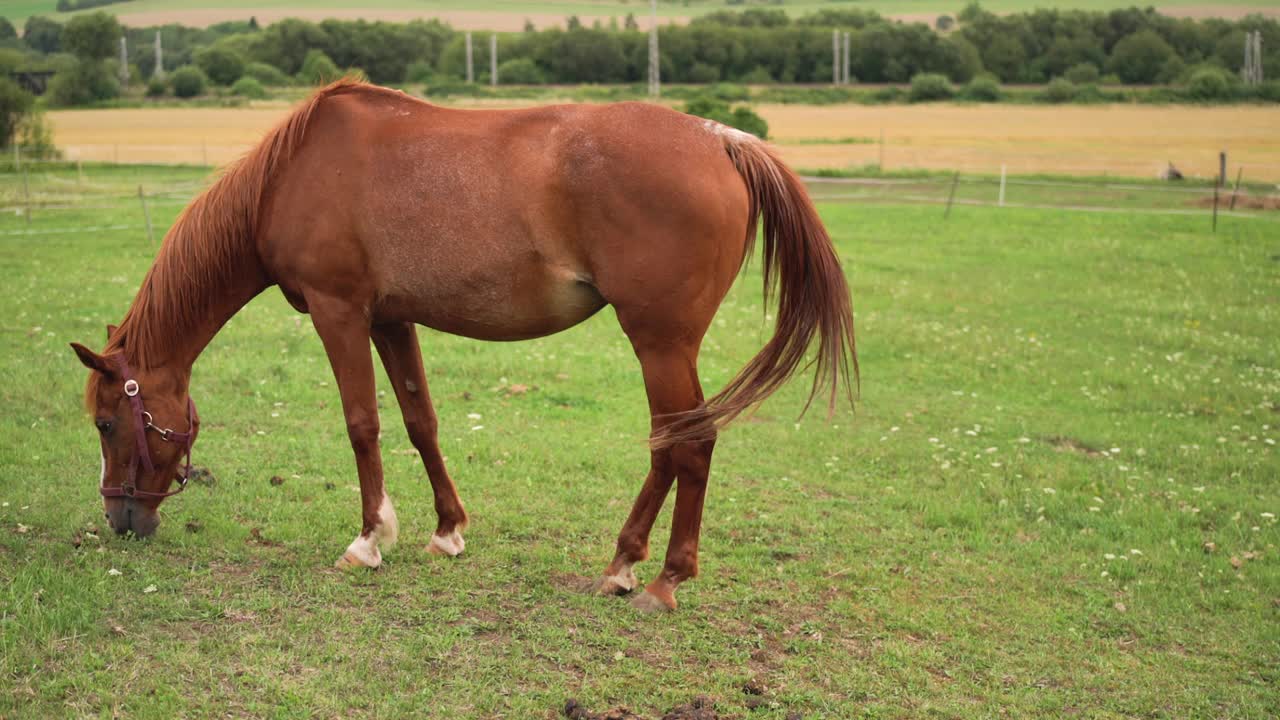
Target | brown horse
(374,211)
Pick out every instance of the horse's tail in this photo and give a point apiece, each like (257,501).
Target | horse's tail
(801,265)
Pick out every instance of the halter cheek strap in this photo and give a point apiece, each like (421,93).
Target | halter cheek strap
(142,422)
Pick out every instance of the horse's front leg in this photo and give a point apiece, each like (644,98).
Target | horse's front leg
(344,329)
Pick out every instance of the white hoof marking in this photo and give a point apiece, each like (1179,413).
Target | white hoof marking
(363,551)
(451,544)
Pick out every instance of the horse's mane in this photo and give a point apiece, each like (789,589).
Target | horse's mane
(201,252)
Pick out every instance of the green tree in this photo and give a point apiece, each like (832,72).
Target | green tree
(285,44)
(15,103)
(43,34)
(1139,57)
(318,69)
(95,36)
(222,65)
(83,82)
(926,87)
(268,75)
(187,81)
(7,31)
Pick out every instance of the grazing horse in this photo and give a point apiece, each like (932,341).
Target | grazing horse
(375,212)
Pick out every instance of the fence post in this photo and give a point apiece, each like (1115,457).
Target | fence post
(1222,168)
(17,157)
(1002,176)
(955,180)
(26,196)
(1215,208)
(146,214)
(1236,189)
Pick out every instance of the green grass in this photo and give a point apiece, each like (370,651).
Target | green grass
(1058,411)
(20,9)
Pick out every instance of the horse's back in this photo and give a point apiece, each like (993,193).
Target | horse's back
(503,224)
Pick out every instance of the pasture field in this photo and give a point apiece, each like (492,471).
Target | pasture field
(1057,496)
(510,15)
(1123,140)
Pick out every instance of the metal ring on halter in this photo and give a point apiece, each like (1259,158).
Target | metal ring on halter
(131,387)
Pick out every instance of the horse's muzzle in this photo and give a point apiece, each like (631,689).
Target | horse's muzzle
(128,515)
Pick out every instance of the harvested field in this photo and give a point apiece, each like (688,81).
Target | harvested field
(1133,141)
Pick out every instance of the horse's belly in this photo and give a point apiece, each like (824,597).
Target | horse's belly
(498,303)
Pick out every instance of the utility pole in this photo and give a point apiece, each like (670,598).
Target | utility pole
(835,57)
(493,59)
(654,74)
(124,61)
(846,58)
(471,72)
(158,72)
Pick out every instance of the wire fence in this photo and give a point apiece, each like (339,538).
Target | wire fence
(46,196)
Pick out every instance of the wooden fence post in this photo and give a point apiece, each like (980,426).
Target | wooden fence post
(1002,176)
(955,180)
(1236,189)
(1215,208)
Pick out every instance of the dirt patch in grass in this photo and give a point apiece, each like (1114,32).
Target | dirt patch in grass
(700,708)
(1062,443)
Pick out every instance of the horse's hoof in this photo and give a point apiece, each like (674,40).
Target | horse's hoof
(450,545)
(647,602)
(621,584)
(349,560)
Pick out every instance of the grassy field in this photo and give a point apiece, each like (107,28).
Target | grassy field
(1057,496)
(511,14)
(1123,140)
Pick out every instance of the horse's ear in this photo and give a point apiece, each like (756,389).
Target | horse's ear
(92,360)
(111,330)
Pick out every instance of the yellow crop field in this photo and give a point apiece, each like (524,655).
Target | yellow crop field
(1134,141)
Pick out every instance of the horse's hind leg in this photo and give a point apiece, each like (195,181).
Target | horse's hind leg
(671,382)
(397,345)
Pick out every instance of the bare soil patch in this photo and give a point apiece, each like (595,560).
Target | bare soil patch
(1062,443)
(700,708)
(1243,201)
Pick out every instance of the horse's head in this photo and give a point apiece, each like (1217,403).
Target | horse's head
(146,424)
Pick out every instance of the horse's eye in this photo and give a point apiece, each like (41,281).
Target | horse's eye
(104,426)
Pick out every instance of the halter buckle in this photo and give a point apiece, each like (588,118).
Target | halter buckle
(131,387)
(128,490)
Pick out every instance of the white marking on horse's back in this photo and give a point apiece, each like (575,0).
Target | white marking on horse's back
(731,134)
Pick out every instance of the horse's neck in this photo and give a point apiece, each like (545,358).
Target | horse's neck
(178,332)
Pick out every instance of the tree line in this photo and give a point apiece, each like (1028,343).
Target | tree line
(756,46)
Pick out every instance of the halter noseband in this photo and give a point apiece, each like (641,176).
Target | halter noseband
(142,422)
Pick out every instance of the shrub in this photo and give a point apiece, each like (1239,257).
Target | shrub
(221,65)
(1209,84)
(36,137)
(248,87)
(759,75)
(703,73)
(984,88)
(15,103)
(157,87)
(930,86)
(741,117)
(422,72)
(187,81)
(81,83)
(520,71)
(729,92)
(268,75)
(318,69)
(1060,90)
(1083,74)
